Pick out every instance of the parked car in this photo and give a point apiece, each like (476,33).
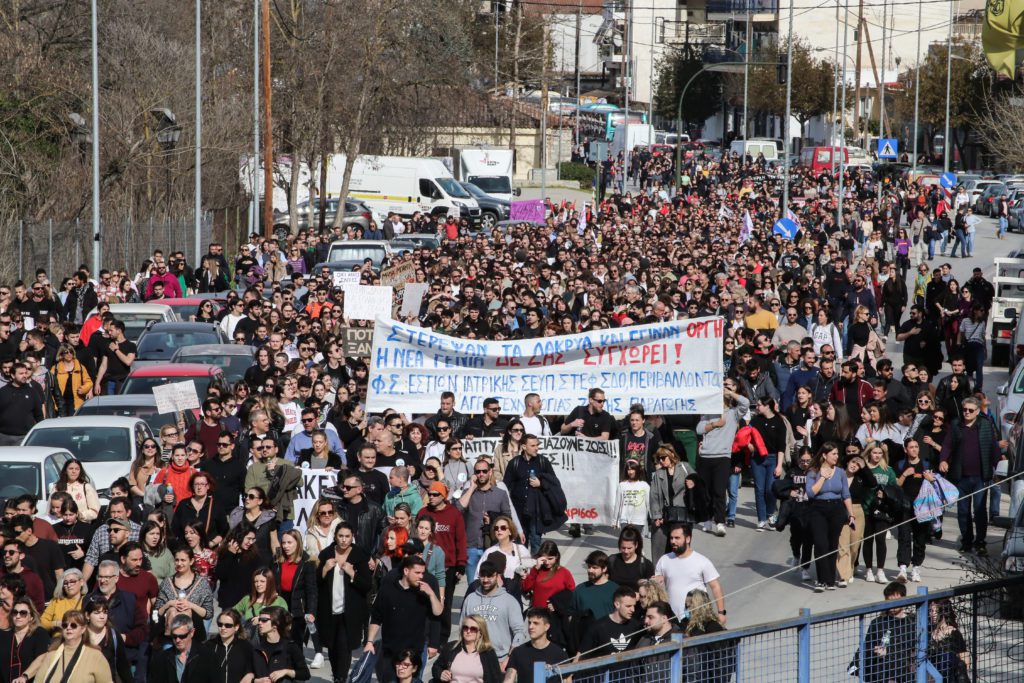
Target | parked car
(142,380)
(1015,218)
(347,254)
(233,359)
(357,214)
(186,307)
(424,239)
(106,446)
(159,341)
(492,209)
(137,316)
(31,469)
(1010,396)
(142,406)
(987,202)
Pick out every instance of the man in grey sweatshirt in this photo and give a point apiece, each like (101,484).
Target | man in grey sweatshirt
(714,463)
(502,612)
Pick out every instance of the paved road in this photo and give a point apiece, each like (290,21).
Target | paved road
(759,586)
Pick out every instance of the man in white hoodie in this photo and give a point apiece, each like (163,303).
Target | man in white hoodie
(501,611)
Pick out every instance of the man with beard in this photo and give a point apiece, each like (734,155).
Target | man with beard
(142,584)
(683,569)
(852,392)
(922,340)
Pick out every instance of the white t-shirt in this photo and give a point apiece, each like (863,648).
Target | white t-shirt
(534,425)
(684,574)
(292,414)
(632,503)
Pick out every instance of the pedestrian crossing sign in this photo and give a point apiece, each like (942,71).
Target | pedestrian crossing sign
(887,148)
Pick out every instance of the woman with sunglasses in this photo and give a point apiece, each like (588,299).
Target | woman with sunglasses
(511,445)
(279,657)
(68,595)
(443,434)
(458,473)
(70,658)
(25,641)
(471,658)
(153,538)
(431,474)
(344,581)
(143,467)
(101,634)
(255,514)
(323,520)
(668,488)
(232,650)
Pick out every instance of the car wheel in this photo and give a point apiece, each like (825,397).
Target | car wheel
(488,219)
(281,232)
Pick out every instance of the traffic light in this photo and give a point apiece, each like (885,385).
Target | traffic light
(781,73)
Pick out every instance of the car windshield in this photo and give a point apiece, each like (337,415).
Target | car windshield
(164,344)
(135,323)
(234,367)
(19,478)
(452,188)
(88,444)
(144,385)
(492,184)
(357,253)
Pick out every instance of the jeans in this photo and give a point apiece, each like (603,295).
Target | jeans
(764,475)
(975,360)
(734,494)
(970,244)
(972,512)
(943,243)
(473,556)
(931,249)
(1004,223)
(995,497)
(531,530)
(961,241)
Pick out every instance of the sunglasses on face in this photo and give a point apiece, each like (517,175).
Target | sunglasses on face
(184,636)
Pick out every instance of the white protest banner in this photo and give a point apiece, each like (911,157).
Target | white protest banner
(344,278)
(587,468)
(313,484)
(670,368)
(366,302)
(414,293)
(175,397)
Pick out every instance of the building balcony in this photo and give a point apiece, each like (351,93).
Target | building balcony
(759,10)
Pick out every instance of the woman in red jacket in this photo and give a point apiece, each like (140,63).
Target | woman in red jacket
(174,477)
(548,577)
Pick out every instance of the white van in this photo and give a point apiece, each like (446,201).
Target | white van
(488,169)
(405,185)
(755,146)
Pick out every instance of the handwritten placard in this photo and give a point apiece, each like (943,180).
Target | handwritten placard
(345,278)
(175,397)
(366,302)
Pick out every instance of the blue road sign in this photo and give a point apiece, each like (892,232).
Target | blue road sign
(786,227)
(888,148)
(947,180)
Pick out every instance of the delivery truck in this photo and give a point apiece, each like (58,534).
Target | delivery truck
(489,169)
(632,136)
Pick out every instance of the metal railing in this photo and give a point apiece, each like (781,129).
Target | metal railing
(859,644)
(743,7)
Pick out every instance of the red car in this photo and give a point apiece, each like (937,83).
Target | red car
(142,380)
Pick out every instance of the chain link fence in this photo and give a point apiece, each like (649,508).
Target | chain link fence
(61,246)
(973,633)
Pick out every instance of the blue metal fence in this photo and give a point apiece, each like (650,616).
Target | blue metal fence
(843,645)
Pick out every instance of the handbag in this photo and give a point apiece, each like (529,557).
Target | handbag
(675,514)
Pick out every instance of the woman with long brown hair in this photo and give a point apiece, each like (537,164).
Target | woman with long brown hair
(71,657)
(25,641)
(295,572)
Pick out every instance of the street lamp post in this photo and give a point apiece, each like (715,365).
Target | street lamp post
(917,90)
(197,211)
(949,68)
(789,108)
(95,148)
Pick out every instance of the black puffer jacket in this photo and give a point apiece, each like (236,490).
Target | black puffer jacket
(304,592)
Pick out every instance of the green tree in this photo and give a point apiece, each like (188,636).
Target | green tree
(703,97)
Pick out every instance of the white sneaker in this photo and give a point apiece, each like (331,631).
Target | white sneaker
(851,580)
(719,530)
(841,583)
(761,526)
(880,577)
(868,576)
(805,575)
(318,661)
(792,562)
(915,575)
(902,576)
(706,527)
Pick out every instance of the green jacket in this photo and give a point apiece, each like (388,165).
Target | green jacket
(410,495)
(281,489)
(247,609)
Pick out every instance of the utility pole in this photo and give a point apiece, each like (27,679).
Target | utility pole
(96,239)
(949,68)
(254,215)
(789,109)
(835,97)
(268,140)
(627,39)
(198,210)
(857,66)
(579,26)
(495,6)
(746,74)
(544,114)
(842,118)
(917,90)
(881,78)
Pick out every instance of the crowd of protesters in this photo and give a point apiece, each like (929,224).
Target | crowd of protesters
(196,563)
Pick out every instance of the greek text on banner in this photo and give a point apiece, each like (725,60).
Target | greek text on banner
(671,368)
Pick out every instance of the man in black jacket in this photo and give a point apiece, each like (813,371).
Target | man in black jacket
(81,299)
(20,406)
(200,664)
(365,516)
